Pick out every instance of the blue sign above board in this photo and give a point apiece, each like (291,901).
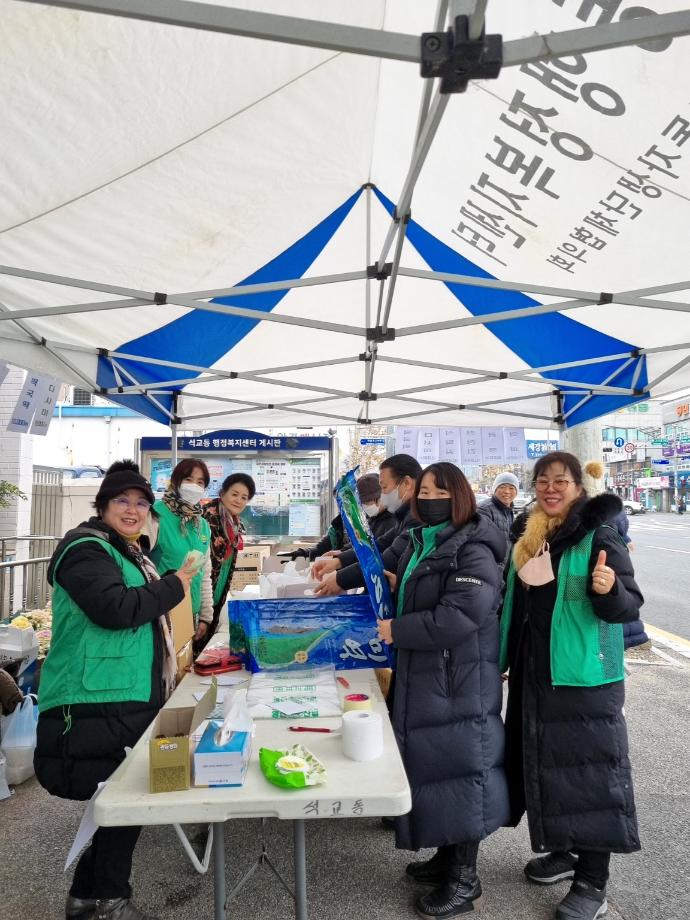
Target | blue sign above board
(237,439)
(381,441)
(537,449)
(619,442)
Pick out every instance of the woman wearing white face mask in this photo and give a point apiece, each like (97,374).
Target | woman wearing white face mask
(181,528)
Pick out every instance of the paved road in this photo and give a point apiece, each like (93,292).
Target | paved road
(662,565)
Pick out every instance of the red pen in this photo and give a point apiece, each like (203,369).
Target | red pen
(344,682)
(303,728)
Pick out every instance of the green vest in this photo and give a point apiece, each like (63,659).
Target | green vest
(420,551)
(89,664)
(173,544)
(585,651)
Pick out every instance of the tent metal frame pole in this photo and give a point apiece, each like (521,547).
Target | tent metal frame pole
(595,38)
(497,284)
(152,399)
(612,376)
(652,304)
(487,318)
(669,373)
(173,433)
(146,387)
(376,42)
(290,30)
(343,418)
(38,340)
(510,375)
(439,22)
(428,132)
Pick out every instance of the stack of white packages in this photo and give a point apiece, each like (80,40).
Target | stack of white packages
(309,693)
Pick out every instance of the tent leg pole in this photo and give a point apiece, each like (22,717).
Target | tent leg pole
(173,434)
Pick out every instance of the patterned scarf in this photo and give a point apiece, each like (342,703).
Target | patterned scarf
(189,515)
(165,626)
(540,527)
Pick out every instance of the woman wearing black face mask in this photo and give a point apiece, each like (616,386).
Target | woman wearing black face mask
(447,702)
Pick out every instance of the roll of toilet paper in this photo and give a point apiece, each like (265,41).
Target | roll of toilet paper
(362,735)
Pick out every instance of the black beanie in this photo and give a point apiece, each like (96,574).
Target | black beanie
(125,475)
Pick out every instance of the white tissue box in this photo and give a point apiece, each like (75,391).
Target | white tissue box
(224,765)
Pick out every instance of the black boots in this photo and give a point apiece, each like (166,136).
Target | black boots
(432,871)
(79,908)
(460,891)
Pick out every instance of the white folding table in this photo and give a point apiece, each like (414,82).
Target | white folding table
(352,789)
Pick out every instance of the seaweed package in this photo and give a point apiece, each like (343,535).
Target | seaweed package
(297,633)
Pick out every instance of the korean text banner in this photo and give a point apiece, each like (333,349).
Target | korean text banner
(364,545)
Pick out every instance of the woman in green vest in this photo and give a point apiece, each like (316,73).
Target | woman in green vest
(227,533)
(181,529)
(110,668)
(570,587)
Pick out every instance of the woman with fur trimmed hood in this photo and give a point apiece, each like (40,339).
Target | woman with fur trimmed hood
(570,587)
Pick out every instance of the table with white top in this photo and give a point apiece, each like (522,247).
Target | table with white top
(352,789)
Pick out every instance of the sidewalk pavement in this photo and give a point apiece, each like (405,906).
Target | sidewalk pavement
(354,869)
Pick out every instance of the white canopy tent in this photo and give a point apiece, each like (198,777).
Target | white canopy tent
(267,216)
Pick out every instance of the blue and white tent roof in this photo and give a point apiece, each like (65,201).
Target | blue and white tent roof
(200,225)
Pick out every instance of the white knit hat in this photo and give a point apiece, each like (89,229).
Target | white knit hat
(593,478)
(505,479)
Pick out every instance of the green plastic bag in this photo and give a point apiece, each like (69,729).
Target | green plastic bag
(268,760)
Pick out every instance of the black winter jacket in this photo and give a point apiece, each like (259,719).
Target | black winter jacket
(447,700)
(567,747)
(81,747)
(350,575)
(495,511)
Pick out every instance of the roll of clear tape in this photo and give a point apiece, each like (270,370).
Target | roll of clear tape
(356,701)
(362,735)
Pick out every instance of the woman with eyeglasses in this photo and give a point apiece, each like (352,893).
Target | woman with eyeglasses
(570,587)
(179,528)
(110,667)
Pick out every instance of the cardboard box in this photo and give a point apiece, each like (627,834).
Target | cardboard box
(170,746)
(248,566)
(182,622)
(185,660)
(224,765)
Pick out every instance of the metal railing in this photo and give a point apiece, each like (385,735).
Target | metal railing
(23,582)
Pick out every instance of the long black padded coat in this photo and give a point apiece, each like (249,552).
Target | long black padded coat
(447,699)
(567,747)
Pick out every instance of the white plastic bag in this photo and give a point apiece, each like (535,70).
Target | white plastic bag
(4,788)
(19,741)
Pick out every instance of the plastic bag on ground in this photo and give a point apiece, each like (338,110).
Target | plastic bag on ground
(19,741)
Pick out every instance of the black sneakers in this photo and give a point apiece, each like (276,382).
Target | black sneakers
(552,868)
(583,902)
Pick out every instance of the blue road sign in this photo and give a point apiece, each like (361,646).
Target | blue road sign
(380,441)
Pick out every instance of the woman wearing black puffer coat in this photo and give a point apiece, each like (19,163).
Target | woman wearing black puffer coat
(570,586)
(446,707)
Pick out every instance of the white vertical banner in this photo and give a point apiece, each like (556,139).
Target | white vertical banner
(471,445)
(427,446)
(45,404)
(492,446)
(514,445)
(4,370)
(449,445)
(26,404)
(406,441)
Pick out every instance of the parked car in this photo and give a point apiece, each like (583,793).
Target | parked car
(521,501)
(83,472)
(633,507)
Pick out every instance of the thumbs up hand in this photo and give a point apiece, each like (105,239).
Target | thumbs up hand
(603,577)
